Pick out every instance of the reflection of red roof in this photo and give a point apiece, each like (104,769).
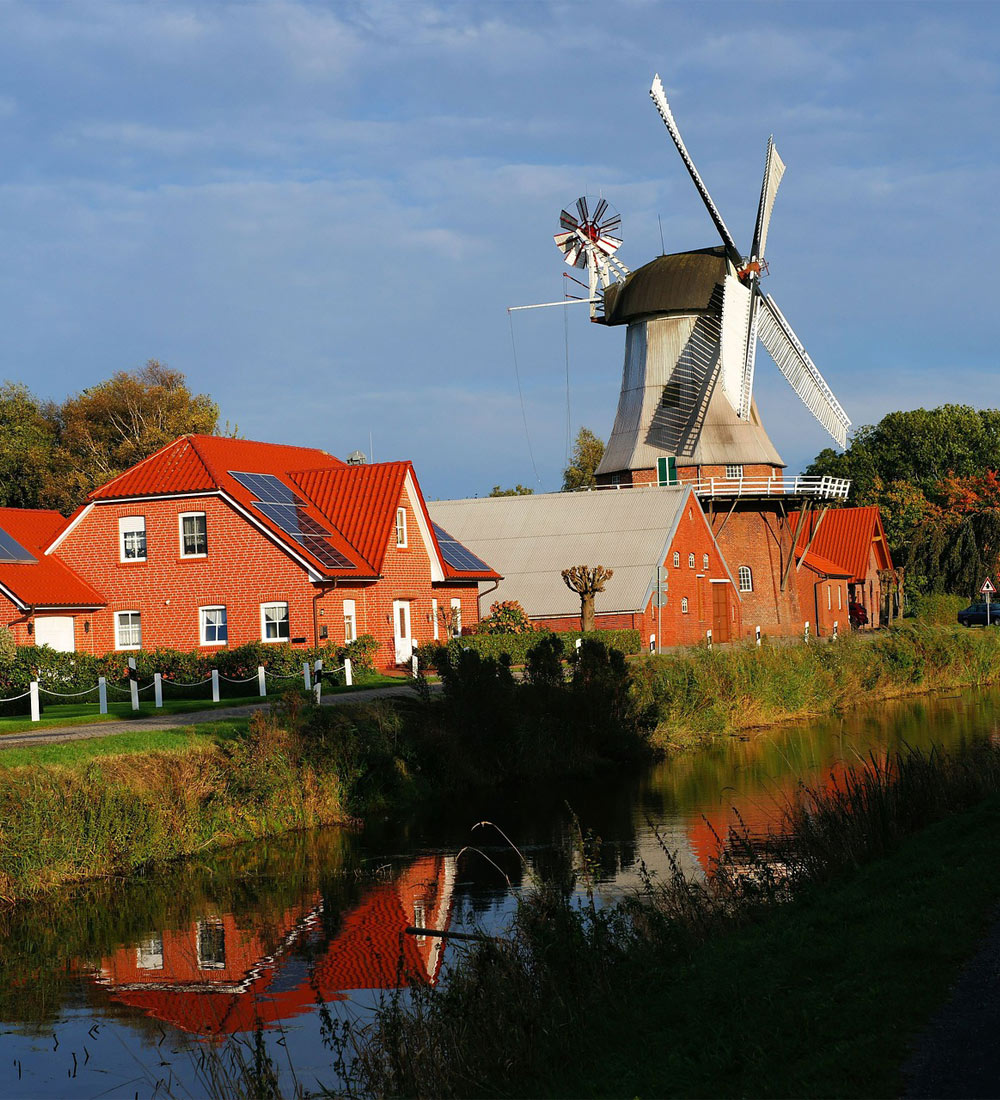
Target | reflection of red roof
(371,951)
(46,582)
(847,536)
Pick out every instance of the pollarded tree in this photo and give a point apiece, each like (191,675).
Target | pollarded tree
(587,583)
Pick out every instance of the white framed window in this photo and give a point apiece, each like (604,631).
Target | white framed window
(829,597)
(128,630)
(211,945)
(213,628)
(690,561)
(684,605)
(434,618)
(273,622)
(704,562)
(149,954)
(734,471)
(193,534)
(677,559)
(401,527)
(839,607)
(132,538)
(456,617)
(350,621)
(746,579)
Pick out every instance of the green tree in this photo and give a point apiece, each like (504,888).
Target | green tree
(519,490)
(27,440)
(108,428)
(588,450)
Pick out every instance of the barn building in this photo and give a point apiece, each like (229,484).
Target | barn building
(531,539)
(213,542)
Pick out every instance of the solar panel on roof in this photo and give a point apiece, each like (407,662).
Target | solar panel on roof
(11,550)
(267,488)
(309,534)
(456,555)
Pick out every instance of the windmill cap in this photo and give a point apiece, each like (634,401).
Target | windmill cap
(683,282)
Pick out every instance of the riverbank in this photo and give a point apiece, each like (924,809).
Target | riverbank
(693,698)
(67,815)
(805,968)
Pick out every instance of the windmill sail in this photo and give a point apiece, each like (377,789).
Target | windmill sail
(736,310)
(794,363)
(774,169)
(660,99)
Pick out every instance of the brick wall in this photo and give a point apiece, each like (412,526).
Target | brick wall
(242,570)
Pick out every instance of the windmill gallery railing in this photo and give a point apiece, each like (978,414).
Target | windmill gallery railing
(801,485)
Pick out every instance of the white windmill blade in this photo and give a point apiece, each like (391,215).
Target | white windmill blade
(774,169)
(737,303)
(659,98)
(794,363)
(750,355)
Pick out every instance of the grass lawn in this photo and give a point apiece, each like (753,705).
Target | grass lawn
(70,753)
(82,714)
(820,998)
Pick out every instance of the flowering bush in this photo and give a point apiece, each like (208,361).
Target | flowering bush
(506,617)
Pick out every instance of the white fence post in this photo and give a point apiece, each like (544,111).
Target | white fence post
(758,635)
(133,683)
(157,689)
(652,643)
(102,694)
(33,698)
(708,637)
(835,624)
(348,680)
(414,665)
(805,635)
(215,685)
(579,642)
(318,678)
(306,678)
(261,682)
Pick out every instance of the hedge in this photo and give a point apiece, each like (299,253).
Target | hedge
(69,673)
(516,646)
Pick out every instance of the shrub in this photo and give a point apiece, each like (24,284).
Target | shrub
(506,617)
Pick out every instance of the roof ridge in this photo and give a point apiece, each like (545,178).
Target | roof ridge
(94,494)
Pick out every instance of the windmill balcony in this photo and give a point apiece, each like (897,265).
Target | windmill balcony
(797,485)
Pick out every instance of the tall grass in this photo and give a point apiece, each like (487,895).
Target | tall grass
(519,1015)
(706,693)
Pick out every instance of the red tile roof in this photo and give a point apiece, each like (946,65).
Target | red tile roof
(360,500)
(847,536)
(46,582)
(824,565)
(198,463)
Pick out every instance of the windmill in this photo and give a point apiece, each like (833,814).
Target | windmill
(694,319)
(749,313)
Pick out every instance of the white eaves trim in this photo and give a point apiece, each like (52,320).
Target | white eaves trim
(437,570)
(66,530)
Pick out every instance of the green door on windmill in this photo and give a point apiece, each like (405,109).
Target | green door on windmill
(666,470)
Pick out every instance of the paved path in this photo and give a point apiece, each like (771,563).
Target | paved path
(52,734)
(958,1055)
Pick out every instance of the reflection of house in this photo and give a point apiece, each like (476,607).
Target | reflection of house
(218,975)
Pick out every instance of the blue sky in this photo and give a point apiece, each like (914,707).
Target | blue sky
(320,212)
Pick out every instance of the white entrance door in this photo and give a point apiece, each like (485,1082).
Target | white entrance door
(401,630)
(55,631)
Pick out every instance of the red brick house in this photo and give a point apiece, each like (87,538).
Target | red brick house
(42,600)
(531,539)
(214,541)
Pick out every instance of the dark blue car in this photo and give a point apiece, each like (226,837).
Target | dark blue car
(975,615)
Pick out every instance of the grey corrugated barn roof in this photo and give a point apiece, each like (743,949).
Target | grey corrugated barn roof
(531,539)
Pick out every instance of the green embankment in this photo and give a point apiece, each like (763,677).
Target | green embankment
(703,694)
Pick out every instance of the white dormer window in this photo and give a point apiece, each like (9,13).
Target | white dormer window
(132,538)
(401,527)
(734,472)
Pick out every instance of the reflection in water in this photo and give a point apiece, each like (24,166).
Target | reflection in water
(257,935)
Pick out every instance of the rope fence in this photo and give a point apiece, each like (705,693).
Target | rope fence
(312,676)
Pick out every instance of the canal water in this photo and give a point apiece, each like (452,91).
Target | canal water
(147,987)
